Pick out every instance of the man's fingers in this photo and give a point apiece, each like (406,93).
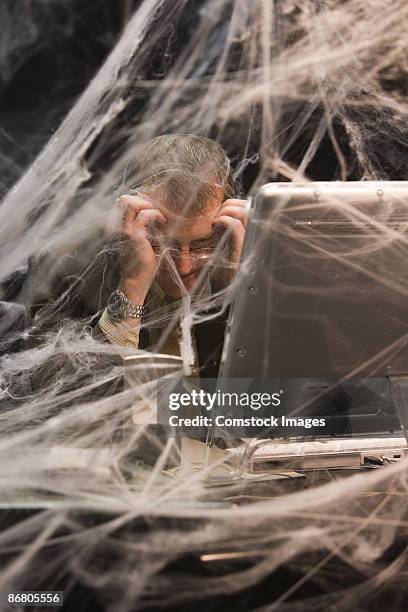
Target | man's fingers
(126,199)
(237,212)
(234,216)
(238,232)
(147,216)
(138,224)
(130,209)
(138,216)
(236,202)
(135,203)
(232,223)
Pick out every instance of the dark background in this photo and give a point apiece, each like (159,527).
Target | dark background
(51,49)
(49,52)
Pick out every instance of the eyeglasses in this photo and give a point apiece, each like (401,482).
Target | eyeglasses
(200,256)
(215,252)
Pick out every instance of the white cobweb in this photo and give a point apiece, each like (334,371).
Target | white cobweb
(272,81)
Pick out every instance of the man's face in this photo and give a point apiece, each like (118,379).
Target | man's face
(185,239)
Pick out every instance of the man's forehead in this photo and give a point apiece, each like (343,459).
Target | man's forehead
(184,224)
(188,228)
(193,222)
(186,208)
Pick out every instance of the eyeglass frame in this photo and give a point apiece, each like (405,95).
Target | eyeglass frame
(206,253)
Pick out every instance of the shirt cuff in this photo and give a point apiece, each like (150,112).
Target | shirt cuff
(119,332)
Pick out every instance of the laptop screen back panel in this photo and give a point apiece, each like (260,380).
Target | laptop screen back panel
(322,304)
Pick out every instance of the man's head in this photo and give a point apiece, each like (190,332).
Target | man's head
(188,178)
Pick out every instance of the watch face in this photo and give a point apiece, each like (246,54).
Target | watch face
(115,305)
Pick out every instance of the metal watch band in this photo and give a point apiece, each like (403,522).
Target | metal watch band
(120,306)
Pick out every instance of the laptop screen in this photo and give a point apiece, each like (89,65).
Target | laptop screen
(322,304)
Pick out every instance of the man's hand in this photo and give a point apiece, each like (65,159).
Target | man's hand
(233,216)
(137,257)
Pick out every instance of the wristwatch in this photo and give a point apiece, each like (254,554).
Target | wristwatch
(120,307)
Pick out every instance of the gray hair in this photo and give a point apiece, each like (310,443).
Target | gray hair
(190,169)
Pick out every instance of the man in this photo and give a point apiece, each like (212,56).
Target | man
(179,243)
(181,240)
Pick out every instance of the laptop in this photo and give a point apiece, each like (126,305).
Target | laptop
(322,312)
